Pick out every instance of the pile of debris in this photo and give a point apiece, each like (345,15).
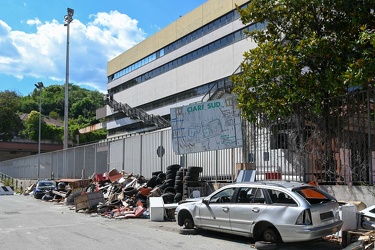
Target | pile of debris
(117,194)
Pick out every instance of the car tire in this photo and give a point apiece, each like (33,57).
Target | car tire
(265,245)
(186,231)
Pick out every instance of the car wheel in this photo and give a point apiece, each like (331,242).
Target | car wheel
(270,235)
(188,223)
(265,245)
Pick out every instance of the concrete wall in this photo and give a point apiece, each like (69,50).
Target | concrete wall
(365,194)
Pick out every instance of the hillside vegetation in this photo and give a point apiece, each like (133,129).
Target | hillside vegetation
(83,104)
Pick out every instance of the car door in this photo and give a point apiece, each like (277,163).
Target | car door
(215,214)
(248,205)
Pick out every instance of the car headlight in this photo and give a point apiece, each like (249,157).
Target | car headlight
(366,218)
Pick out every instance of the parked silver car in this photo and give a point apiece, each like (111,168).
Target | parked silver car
(266,211)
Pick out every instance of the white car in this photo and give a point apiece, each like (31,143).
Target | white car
(368,218)
(266,211)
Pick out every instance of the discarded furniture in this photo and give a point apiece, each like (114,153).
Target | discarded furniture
(88,200)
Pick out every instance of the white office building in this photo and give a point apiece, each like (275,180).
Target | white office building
(191,60)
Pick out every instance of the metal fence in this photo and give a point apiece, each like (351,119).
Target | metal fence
(335,148)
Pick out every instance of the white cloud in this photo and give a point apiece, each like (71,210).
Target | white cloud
(43,54)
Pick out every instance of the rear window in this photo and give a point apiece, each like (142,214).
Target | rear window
(314,195)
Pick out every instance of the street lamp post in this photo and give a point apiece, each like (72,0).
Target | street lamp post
(67,19)
(39,86)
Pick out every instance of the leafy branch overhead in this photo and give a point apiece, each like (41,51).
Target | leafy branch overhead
(309,51)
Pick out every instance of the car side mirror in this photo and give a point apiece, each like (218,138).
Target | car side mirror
(206,202)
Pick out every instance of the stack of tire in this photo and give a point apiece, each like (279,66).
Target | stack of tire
(179,183)
(192,178)
(169,191)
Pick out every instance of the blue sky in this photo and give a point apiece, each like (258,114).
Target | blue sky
(33,38)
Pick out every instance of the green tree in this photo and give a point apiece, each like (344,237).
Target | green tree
(32,126)
(309,50)
(48,132)
(10,122)
(82,112)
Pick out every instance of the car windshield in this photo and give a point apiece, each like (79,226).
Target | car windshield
(314,195)
(46,184)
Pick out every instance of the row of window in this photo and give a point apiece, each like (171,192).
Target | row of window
(198,91)
(216,24)
(182,96)
(201,52)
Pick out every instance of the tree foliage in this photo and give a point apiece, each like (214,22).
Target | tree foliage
(48,132)
(309,51)
(10,122)
(82,111)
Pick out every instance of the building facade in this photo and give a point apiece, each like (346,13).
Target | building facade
(178,65)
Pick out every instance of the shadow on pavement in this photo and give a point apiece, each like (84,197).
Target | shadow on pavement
(321,243)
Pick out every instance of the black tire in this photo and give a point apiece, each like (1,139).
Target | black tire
(170,176)
(178,182)
(192,174)
(156,173)
(169,190)
(129,191)
(158,180)
(152,182)
(164,185)
(191,178)
(168,198)
(178,197)
(174,167)
(178,178)
(181,172)
(195,169)
(162,176)
(186,231)
(170,182)
(115,203)
(265,245)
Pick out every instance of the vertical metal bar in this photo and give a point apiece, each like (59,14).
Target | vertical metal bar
(123,153)
(369,155)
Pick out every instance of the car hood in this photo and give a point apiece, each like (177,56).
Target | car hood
(44,188)
(191,201)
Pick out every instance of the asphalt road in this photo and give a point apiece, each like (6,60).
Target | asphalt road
(27,223)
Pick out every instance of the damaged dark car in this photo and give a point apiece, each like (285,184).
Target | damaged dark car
(43,187)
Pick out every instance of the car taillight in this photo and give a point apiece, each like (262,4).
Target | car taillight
(304,218)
